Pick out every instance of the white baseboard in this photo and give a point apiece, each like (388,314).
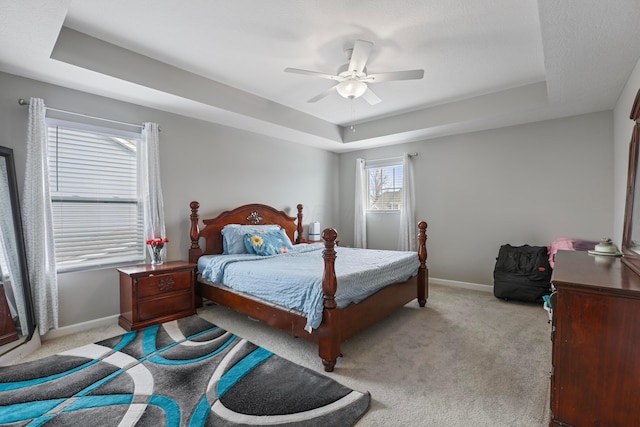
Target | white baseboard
(80,327)
(465,285)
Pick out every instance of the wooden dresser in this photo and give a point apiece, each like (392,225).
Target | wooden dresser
(151,294)
(595,378)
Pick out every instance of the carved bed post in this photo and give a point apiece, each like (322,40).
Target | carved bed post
(194,233)
(329,339)
(329,282)
(299,238)
(423,276)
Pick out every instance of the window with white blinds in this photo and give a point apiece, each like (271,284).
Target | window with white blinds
(97,220)
(384,184)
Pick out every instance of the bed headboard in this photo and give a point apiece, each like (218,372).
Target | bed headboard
(252,214)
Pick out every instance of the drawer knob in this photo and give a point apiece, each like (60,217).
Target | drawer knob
(166,283)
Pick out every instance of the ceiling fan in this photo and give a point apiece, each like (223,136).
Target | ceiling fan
(352,78)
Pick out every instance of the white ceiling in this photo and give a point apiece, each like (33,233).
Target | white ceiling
(487,63)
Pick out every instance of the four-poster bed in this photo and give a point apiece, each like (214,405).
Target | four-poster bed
(337,323)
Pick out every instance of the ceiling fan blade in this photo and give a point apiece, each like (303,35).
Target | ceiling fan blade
(371,97)
(394,75)
(359,55)
(314,73)
(324,94)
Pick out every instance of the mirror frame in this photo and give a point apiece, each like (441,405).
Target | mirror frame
(631,258)
(7,153)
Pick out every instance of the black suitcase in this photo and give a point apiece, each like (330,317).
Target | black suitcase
(522,273)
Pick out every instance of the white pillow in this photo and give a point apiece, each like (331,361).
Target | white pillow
(233,236)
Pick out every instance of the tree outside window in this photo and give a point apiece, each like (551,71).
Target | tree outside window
(385,188)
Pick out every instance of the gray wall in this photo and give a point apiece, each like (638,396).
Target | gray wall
(220,167)
(524,184)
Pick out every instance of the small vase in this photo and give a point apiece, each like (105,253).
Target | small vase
(156,255)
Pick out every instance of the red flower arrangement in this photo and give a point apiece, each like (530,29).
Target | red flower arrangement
(156,246)
(158,242)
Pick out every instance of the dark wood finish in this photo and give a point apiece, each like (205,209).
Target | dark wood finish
(595,377)
(632,258)
(254,214)
(152,294)
(8,332)
(19,255)
(337,324)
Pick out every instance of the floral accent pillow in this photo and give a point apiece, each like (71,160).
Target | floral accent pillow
(268,242)
(233,236)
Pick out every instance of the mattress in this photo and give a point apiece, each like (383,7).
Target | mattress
(294,280)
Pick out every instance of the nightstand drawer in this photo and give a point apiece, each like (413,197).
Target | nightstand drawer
(156,284)
(159,307)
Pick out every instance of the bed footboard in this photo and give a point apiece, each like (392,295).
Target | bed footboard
(340,324)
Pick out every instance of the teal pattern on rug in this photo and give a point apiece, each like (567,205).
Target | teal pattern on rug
(188,372)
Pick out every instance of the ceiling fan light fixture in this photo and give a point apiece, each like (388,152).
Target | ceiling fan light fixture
(351,88)
(353,79)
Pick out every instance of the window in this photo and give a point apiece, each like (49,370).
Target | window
(97,220)
(384,185)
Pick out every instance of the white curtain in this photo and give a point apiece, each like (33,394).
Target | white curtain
(37,220)
(360,218)
(407,240)
(149,181)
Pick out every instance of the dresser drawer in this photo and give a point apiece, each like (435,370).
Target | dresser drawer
(159,307)
(157,284)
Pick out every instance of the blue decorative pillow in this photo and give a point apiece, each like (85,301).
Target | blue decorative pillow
(233,236)
(268,242)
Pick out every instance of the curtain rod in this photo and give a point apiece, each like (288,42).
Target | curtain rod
(24,102)
(393,158)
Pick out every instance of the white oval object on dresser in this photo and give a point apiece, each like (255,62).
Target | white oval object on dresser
(606,245)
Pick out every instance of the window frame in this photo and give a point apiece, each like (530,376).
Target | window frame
(139,248)
(384,164)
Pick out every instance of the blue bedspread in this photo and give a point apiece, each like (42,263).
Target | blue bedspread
(294,279)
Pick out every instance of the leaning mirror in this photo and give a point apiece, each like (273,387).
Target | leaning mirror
(16,313)
(631,230)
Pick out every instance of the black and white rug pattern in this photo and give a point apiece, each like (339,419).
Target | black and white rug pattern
(188,372)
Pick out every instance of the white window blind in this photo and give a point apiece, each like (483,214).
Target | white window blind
(384,184)
(97,220)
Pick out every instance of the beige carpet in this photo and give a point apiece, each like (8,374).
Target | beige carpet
(467,359)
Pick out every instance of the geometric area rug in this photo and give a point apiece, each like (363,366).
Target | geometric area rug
(187,372)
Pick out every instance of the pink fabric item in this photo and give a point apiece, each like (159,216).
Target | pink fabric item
(567,243)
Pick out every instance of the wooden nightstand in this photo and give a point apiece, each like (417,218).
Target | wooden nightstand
(151,294)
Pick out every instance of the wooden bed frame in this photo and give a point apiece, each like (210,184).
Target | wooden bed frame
(338,324)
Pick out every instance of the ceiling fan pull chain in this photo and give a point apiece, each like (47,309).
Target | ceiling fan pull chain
(353,116)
